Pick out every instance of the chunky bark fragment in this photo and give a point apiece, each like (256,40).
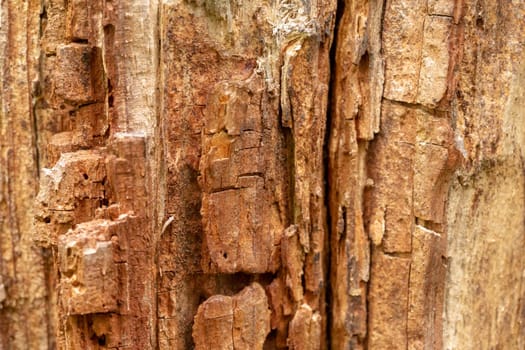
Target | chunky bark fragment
(305,330)
(78,24)
(403,30)
(391,169)
(89,277)
(356,107)
(433,68)
(241,225)
(94,165)
(76,80)
(416,50)
(69,194)
(238,322)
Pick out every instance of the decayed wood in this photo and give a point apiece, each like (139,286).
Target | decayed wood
(238,322)
(92,208)
(268,174)
(484,291)
(245,99)
(410,164)
(23,310)
(390,163)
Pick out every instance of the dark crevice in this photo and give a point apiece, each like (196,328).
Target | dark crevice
(251,174)
(80,41)
(270,341)
(231,283)
(289,145)
(36,93)
(47,255)
(81,105)
(111,99)
(36,138)
(101,340)
(224,189)
(344,233)
(104,202)
(326,172)
(440,15)
(367,301)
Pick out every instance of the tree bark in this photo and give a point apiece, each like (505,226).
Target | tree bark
(219,174)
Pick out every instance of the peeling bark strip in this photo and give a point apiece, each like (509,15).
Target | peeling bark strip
(390,160)
(218,174)
(410,164)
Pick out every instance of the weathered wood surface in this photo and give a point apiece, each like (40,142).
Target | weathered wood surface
(292,174)
(484,297)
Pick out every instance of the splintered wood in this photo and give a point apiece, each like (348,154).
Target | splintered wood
(218,174)
(245,104)
(92,209)
(390,162)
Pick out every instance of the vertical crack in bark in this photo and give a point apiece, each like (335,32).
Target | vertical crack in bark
(326,172)
(36,93)
(357,85)
(47,254)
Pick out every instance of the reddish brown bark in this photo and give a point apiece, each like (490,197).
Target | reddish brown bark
(289,174)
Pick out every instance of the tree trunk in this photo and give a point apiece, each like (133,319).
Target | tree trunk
(219,174)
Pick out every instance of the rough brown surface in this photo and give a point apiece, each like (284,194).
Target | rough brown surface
(218,174)
(245,95)
(24,319)
(238,322)
(484,293)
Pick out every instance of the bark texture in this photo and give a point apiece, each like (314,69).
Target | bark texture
(487,199)
(225,174)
